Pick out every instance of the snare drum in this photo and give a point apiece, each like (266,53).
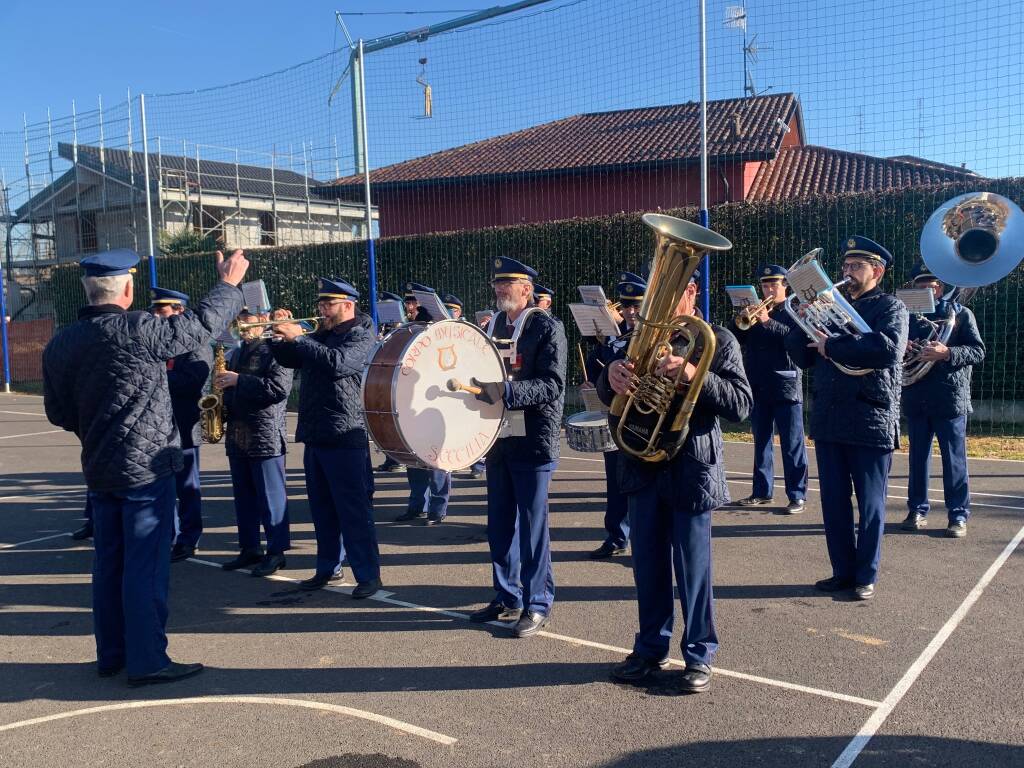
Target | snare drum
(588,432)
(410,412)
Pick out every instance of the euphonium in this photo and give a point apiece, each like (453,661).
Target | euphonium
(746,318)
(652,421)
(211,406)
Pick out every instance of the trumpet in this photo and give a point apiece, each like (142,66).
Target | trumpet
(746,318)
(309,325)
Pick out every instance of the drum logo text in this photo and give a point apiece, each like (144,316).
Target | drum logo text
(446,358)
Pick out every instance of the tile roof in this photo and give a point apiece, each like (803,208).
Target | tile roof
(810,170)
(212,175)
(747,128)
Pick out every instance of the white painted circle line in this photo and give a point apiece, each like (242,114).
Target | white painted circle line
(33,541)
(879,716)
(338,709)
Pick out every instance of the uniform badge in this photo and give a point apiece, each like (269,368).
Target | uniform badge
(767,270)
(851,243)
(497,263)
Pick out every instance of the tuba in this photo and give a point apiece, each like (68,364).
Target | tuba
(970,241)
(211,406)
(652,421)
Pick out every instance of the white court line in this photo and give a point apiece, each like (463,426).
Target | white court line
(362,714)
(870,728)
(33,541)
(31,434)
(32,494)
(387,597)
(25,413)
(812,447)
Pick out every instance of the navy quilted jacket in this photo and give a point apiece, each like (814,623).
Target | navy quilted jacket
(186,379)
(330,401)
(105,379)
(858,410)
(770,370)
(695,478)
(945,391)
(256,405)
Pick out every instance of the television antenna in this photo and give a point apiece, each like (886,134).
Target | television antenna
(736,18)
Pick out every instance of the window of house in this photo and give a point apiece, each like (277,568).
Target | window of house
(268,228)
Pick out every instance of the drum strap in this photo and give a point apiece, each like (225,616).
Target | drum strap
(520,325)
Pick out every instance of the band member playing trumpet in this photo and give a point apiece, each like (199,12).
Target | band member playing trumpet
(937,406)
(519,467)
(778,395)
(855,419)
(337,454)
(256,389)
(630,291)
(670,505)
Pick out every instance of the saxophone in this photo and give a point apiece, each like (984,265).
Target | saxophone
(211,406)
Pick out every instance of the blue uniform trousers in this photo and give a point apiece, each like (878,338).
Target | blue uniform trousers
(616,513)
(339,502)
(952,437)
(664,537)
(190,500)
(517,534)
(130,574)
(788,418)
(260,499)
(429,490)
(844,470)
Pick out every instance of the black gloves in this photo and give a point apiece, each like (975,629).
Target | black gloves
(490,391)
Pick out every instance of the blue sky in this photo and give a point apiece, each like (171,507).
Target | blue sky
(936,78)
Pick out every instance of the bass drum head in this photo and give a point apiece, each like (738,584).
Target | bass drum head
(444,429)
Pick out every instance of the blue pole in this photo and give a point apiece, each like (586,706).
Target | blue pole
(371,251)
(3,331)
(705,273)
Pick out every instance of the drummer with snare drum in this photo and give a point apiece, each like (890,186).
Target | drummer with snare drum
(630,291)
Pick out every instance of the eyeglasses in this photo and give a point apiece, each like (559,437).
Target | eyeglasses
(328,302)
(855,266)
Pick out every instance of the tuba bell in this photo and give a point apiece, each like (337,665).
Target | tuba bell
(652,421)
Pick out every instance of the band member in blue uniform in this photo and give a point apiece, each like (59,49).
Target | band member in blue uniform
(543,297)
(331,425)
(255,389)
(630,291)
(186,376)
(389,464)
(855,419)
(778,397)
(937,407)
(670,505)
(105,380)
(85,532)
(519,466)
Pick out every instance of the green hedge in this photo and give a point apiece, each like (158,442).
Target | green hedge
(594,251)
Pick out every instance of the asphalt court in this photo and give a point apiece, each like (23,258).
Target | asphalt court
(927,673)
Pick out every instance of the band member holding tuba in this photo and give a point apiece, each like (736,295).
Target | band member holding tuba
(186,378)
(256,389)
(778,395)
(670,505)
(105,380)
(519,467)
(337,454)
(855,418)
(630,291)
(937,405)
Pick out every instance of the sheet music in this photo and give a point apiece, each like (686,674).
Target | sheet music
(920,301)
(742,295)
(593,295)
(390,312)
(808,280)
(483,314)
(432,304)
(254,296)
(594,320)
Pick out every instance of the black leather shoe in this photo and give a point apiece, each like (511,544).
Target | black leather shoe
(530,623)
(366,589)
(796,507)
(636,668)
(321,580)
(496,611)
(431,520)
(914,521)
(268,565)
(409,515)
(696,678)
(245,558)
(476,474)
(832,584)
(169,674)
(390,466)
(864,591)
(753,501)
(85,532)
(606,550)
(181,552)
(957,529)
(109,671)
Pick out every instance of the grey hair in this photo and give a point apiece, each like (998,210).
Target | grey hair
(105,290)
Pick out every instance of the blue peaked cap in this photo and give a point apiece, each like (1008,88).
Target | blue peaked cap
(121,261)
(167,296)
(867,249)
(336,288)
(505,268)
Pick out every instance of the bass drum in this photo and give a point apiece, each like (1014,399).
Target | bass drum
(410,411)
